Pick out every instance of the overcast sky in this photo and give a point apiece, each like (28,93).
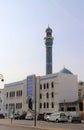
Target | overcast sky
(22,32)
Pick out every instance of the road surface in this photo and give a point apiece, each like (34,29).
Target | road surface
(5,124)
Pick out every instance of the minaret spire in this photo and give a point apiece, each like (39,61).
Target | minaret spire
(48,42)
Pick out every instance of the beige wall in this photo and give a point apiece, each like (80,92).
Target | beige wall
(14,87)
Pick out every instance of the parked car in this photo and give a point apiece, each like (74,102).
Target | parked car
(2,116)
(57,117)
(16,116)
(29,117)
(46,116)
(22,116)
(75,118)
(40,117)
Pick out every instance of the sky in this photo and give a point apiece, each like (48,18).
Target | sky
(22,31)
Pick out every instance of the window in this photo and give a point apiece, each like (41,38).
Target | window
(40,105)
(48,33)
(12,94)
(19,93)
(18,105)
(52,85)
(44,86)
(52,94)
(71,109)
(11,106)
(62,108)
(52,105)
(7,94)
(40,96)
(47,95)
(44,105)
(6,106)
(47,105)
(47,85)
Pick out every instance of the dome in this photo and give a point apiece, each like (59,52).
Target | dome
(66,71)
(48,29)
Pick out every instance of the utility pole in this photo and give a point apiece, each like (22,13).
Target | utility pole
(35,103)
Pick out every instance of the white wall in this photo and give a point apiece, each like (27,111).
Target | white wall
(1,100)
(68,87)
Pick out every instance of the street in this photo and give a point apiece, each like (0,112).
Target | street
(14,128)
(5,124)
(44,124)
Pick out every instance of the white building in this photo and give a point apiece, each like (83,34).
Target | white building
(1,101)
(14,97)
(51,90)
(81,96)
(17,94)
(57,88)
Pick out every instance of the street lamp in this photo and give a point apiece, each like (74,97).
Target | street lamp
(35,103)
(1,77)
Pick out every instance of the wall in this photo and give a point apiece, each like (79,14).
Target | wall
(68,87)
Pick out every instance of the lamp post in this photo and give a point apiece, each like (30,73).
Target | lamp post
(1,77)
(35,104)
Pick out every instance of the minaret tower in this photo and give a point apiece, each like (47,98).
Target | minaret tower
(48,42)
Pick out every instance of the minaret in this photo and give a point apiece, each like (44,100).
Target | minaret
(48,42)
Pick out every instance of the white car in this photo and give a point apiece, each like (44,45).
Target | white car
(29,117)
(57,117)
(46,115)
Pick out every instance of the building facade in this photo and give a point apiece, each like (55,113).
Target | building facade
(57,91)
(1,101)
(51,93)
(81,95)
(14,97)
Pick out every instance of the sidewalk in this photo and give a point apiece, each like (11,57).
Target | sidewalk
(7,122)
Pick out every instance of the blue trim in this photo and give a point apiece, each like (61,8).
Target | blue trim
(29,86)
(14,84)
(46,78)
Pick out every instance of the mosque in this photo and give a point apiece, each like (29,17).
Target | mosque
(45,94)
